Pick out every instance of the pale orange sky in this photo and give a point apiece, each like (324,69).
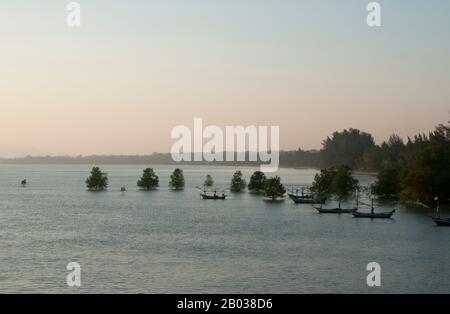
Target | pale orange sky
(135,70)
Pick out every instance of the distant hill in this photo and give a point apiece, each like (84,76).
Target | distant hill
(296,158)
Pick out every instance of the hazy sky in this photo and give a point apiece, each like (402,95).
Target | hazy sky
(135,69)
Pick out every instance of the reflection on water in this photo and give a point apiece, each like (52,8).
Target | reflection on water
(174,242)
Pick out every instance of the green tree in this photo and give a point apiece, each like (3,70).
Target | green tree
(177,180)
(257,181)
(428,167)
(97,181)
(209,181)
(388,183)
(321,186)
(237,182)
(149,180)
(300,158)
(374,159)
(394,151)
(390,153)
(343,183)
(273,188)
(346,148)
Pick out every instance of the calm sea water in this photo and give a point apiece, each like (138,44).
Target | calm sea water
(174,242)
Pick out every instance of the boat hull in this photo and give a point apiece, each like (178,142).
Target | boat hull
(443,222)
(357,214)
(303,199)
(212,197)
(334,210)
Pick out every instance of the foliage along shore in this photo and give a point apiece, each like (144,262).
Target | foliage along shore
(415,169)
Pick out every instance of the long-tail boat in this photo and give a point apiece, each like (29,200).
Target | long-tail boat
(440,221)
(339,209)
(372,214)
(302,197)
(336,210)
(212,195)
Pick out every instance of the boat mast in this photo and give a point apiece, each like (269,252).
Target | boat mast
(357,199)
(438,212)
(372,209)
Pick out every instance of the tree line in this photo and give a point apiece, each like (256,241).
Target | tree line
(412,169)
(297,158)
(417,169)
(270,187)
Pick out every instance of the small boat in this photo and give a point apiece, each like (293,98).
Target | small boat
(206,196)
(372,215)
(442,222)
(212,195)
(335,210)
(303,198)
(338,210)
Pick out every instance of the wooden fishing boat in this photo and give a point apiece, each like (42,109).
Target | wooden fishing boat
(299,199)
(302,197)
(211,195)
(207,196)
(442,222)
(335,210)
(339,209)
(373,215)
